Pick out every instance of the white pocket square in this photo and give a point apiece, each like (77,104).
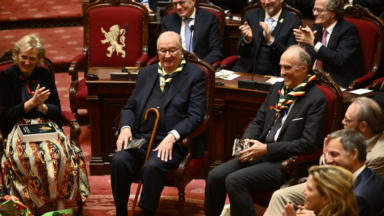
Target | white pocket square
(297,119)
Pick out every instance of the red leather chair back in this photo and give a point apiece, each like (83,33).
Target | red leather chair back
(371,30)
(105,48)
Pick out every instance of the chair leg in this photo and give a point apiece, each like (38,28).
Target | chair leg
(182,202)
(80,207)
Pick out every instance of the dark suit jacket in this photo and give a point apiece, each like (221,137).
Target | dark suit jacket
(303,130)
(206,36)
(185,105)
(11,99)
(283,34)
(343,56)
(369,190)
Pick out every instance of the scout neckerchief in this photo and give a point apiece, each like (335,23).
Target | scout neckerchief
(287,98)
(164,82)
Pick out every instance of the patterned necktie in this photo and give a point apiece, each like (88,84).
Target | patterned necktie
(319,64)
(270,24)
(188,35)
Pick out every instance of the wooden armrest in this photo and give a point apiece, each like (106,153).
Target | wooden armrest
(75,132)
(142,61)
(291,167)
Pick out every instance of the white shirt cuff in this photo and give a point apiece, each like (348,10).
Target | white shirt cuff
(246,41)
(318,46)
(273,40)
(175,134)
(125,127)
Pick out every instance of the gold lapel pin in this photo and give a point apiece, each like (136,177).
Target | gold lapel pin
(282,20)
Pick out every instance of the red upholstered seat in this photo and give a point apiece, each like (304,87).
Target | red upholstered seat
(335,113)
(105,42)
(371,30)
(230,61)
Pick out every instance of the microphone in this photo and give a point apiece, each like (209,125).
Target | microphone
(190,40)
(250,84)
(254,63)
(126,38)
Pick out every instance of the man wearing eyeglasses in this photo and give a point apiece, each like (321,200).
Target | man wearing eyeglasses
(333,43)
(290,122)
(176,88)
(265,34)
(363,115)
(203,38)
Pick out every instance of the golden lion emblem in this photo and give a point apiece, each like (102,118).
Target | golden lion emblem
(111,37)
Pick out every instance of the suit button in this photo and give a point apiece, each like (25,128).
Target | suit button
(158,107)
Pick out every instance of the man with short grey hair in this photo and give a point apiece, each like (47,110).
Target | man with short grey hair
(333,43)
(176,88)
(363,115)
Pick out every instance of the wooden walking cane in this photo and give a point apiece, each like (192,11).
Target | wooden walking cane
(148,151)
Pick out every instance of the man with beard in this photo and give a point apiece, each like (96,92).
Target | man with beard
(265,34)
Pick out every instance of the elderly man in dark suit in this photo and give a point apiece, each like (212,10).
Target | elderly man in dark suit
(204,38)
(334,43)
(265,35)
(177,89)
(290,122)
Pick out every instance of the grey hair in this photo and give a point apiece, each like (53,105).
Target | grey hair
(304,57)
(170,34)
(26,43)
(351,139)
(370,112)
(338,7)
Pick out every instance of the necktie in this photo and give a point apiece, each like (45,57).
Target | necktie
(277,125)
(319,64)
(188,35)
(269,23)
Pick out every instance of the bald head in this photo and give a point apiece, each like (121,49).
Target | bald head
(169,35)
(294,65)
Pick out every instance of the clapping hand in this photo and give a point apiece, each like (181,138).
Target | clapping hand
(305,36)
(39,96)
(246,31)
(267,32)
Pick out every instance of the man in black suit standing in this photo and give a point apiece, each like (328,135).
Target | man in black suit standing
(177,89)
(290,122)
(203,38)
(333,43)
(265,35)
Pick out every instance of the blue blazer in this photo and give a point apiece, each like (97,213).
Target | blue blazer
(283,34)
(185,105)
(11,102)
(206,36)
(343,56)
(369,193)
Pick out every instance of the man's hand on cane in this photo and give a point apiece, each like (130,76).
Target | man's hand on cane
(124,137)
(164,150)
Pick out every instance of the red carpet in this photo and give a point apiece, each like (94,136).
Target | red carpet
(20,10)
(61,44)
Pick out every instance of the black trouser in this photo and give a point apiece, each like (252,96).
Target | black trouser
(153,175)
(240,180)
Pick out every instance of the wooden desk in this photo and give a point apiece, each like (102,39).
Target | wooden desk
(234,109)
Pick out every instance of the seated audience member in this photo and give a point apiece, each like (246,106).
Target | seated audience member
(348,149)
(177,89)
(234,6)
(265,34)
(37,172)
(379,97)
(204,39)
(328,192)
(375,6)
(334,43)
(290,122)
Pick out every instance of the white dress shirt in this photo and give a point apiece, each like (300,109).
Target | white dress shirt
(182,30)
(318,45)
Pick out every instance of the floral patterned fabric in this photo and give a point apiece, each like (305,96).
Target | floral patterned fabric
(39,172)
